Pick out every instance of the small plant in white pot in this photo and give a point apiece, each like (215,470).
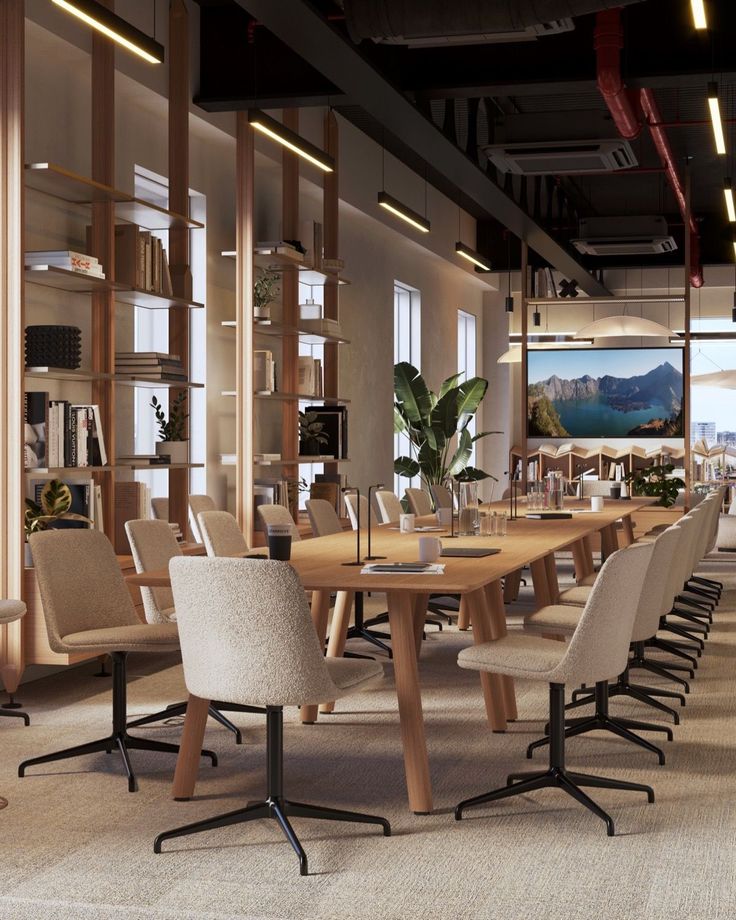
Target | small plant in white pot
(53,506)
(265,291)
(173,443)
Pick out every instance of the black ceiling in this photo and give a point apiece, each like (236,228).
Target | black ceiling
(469,91)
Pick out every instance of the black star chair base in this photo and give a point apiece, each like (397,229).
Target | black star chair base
(247,637)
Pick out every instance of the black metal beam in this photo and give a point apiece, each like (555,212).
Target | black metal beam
(306,32)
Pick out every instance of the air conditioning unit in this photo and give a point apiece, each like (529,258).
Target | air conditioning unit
(561,158)
(528,34)
(624,236)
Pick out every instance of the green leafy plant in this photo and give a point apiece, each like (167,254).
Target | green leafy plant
(55,502)
(657,481)
(437,426)
(311,431)
(264,290)
(173,429)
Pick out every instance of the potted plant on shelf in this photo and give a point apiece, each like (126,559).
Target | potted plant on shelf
(264,292)
(311,434)
(53,506)
(436,425)
(173,443)
(657,480)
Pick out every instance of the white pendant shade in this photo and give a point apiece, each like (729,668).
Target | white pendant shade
(512,356)
(724,379)
(615,326)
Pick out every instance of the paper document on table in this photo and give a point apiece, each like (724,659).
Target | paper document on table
(403,568)
(427,528)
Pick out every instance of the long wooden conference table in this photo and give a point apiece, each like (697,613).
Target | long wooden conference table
(320,565)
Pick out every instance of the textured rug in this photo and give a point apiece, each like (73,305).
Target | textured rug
(78,845)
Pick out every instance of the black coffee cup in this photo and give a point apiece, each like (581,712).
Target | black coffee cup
(279,542)
(616,491)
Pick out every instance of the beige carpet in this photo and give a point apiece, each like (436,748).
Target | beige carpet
(78,845)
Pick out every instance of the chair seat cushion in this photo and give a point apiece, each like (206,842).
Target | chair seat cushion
(588,580)
(517,655)
(156,637)
(11,611)
(350,673)
(577,595)
(557,618)
(169,614)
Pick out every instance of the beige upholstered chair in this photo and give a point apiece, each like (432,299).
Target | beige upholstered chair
(247,636)
(10,611)
(389,507)
(277,514)
(88,608)
(656,600)
(442,496)
(153,546)
(160,508)
(596,652)
(352,505)
(221,534)
(323,518)
(420,502)
(198,504)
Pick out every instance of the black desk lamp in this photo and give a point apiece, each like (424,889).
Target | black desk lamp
(356,491)
(378,485)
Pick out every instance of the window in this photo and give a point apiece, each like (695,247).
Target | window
(151,333)
(466,359)
(407,347)
(308,471)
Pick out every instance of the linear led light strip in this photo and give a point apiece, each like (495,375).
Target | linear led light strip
(700,20)
(114,27)
(405,213)
(289,139)
(728,193)
(715,117)
(471,255)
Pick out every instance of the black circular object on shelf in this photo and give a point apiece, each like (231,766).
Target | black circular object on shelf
(54,346)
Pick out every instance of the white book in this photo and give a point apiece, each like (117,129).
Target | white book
(99,433)
(52,438)
(82,432)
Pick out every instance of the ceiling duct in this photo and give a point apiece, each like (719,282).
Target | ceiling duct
(422,21)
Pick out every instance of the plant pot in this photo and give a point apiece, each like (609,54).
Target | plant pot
(27,557)
(176,451)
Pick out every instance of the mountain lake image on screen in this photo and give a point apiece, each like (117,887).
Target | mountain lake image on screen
(605,393)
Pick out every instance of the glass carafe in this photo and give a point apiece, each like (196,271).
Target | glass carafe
(469,510)
(555,490)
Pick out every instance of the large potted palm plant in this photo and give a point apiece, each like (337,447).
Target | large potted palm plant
(436,425)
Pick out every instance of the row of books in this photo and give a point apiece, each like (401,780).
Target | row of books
(150,364)
(68,259)
(309,381)
(616,472)
(61,434)
(269,492)
(140,260)
(264,371)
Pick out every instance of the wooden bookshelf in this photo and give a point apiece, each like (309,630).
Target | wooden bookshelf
(135,380)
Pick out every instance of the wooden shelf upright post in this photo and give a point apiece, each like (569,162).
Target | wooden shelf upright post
(331,240)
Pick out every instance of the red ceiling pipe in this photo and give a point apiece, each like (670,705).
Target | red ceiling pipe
(661,142)
(609,40)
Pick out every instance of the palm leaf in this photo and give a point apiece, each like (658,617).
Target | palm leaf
(412,393)
(484,434)
(405,466)
(444,415)
(470,394)
(472,474)
(462,454)
(449,384)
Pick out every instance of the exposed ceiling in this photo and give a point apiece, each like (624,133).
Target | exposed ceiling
(475,93)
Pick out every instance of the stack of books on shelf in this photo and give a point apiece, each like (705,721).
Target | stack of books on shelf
(140,260)
(132,502)
(269,492)
(150,364)
(60,434)
(65,258)
(264,371)
(309,377)
(265,459)
(86,500)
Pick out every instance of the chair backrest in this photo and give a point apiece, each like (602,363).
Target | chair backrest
(81,584)
(351,503)
(277,514)
(599,647)
(153,545)
(221,534)
(658,594)
(420,502)
(389,507)
(597,487)
(323,518)
(198,504)
(246,633)
(442,496)
(160,508)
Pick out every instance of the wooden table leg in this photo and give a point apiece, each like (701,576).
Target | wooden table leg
(511,585)
(190,748)
(320,613)
(588,544)
(628,530)
(338,633)
(492,684)
(497,612)
(609,540)
(420,619)
(552,583)
(541,584)
(463,617)
(406,674)
(582,559)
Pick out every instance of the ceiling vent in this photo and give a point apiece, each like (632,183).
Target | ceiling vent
(561,158)
(624,236)
(529,34)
